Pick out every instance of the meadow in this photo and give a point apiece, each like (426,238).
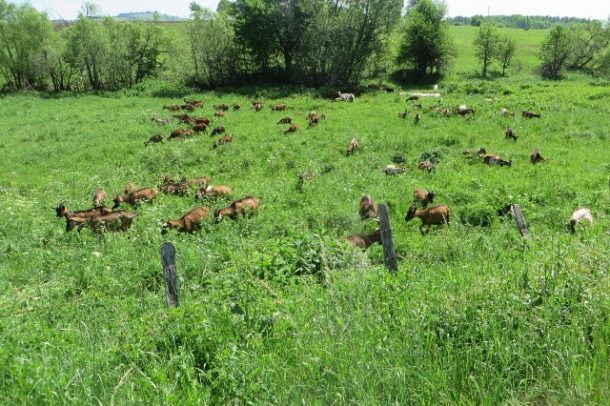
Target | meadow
(278,308)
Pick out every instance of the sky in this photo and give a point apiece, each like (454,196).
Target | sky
(596,9)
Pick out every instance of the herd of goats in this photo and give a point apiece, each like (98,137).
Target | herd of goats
(102,218)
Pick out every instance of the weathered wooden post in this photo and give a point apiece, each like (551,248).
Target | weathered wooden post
(386,239)
(518,216)
(168,259)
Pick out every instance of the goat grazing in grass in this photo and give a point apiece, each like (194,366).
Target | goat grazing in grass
(175,188)
(292,129)
(529,114)
(364,241)
(98,197)
(160,121)
(279,107)
(258,107)
(154,139)
(511,134)
(136,197)
(346,97)
(200,128)
(62,211)
(578,216)
(218,130)
(535,157)
(219,113)
(392,169)
(368,208)
(423,197)
(436,215)
(222,107)
(463,110)
(180,133)
(242,207)
(426,166)
(115,221)
(285,120)
(352,147)
(194,103)
(225,139)
(210,192)
(506,112)
(188,223)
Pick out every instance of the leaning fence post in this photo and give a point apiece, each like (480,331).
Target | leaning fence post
(386,239)
(518,216)
(168,259)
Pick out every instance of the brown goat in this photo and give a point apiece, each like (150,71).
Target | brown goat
(511,134)
(180,133)
(199,121)
(175,188)
(194,103)
(187,107)
(279,107)
(136,197)
(244,206)
(292,129)
(210,192)
(183,118)
(62,211)
(154,139)
(496,160)
(368,208)
(426,166)
(115,221)
(172,108)
(218,130)
(423,197)
(236,106)
(314,119)
(529,114)
(225,139)
(258,107)
(189,222)
(219,113)
(200,128)
(98,197)
(431,216)
(285,120)
(222,107)
(352,147)
(535,157)
(365,241)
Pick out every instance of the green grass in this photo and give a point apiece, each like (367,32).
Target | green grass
(474,315)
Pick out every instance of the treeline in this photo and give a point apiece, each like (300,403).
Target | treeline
(308,42)
(517,21)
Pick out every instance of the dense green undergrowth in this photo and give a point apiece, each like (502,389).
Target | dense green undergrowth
(277,308)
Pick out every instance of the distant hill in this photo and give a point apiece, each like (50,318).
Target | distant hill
(147,16)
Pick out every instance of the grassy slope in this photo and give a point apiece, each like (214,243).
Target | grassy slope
(83,318)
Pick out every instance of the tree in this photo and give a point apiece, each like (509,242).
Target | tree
(555,52)
(24,32)
(505,52)
(486,45)
(426,46)
(588,39)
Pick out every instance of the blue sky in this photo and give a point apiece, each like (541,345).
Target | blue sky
(599,9)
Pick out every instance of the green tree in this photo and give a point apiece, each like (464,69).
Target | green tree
(426,45)
(24,33)
(505,52)
(555,52)
(486,45)
(588,40)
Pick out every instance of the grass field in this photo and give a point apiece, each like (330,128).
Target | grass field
(278,308)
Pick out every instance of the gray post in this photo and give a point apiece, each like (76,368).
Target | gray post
(168,259)
(518,216)
(386,239)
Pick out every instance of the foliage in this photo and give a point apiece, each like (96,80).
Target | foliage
(426,45)
(588,40)
(555,51)
(216,58)
(505,52)
(24,34)
(487,44)
(517,21)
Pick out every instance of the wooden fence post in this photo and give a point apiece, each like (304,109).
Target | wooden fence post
(386,239)
(168,259)
(518,216)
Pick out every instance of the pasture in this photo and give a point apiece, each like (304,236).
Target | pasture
(278,308)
